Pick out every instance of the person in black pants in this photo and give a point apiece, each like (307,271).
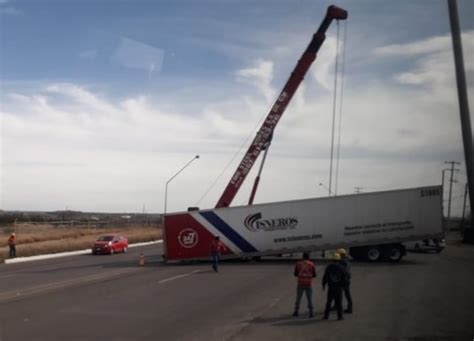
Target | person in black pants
(12,245)
(347,288)
(335,277)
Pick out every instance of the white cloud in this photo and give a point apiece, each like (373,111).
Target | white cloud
(261,76)
(325,60)
(433,61)
(80,96)
(429,45)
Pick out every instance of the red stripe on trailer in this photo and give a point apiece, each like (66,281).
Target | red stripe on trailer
(186,238)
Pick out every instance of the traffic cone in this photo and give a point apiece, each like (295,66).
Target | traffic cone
(141,262)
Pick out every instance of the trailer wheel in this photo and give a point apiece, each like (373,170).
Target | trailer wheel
(394,253)
(373,253)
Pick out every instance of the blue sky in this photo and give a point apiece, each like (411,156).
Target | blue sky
(102,101)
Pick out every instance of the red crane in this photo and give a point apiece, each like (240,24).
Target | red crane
(263,138)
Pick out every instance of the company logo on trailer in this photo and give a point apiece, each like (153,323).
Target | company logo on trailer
(255,222)
(188,238)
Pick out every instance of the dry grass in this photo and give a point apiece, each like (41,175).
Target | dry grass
(44,239)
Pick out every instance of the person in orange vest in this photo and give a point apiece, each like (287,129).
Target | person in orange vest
(216,248)
(11,244)
(305,272)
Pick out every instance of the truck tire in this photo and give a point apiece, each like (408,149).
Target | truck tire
(393,253)
(373,253)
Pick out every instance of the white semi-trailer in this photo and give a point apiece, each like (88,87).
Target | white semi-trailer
(372,225)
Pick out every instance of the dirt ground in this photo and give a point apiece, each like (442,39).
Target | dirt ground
(43,239)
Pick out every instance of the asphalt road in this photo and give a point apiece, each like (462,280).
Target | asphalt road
(425,297)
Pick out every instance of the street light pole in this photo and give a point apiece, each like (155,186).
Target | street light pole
(174,176)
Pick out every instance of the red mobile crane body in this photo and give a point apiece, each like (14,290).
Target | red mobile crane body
(265,132)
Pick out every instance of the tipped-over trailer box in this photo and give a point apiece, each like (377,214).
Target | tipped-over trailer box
(372,225)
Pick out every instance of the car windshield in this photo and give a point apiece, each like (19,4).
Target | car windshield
(105,238)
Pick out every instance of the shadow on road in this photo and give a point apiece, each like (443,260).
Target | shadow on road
(288,320)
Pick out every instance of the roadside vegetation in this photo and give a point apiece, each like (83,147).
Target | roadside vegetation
(38,239)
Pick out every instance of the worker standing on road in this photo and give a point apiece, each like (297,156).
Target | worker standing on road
(305,272)
(12,245)
(216,248)
(335,277)
(347,288)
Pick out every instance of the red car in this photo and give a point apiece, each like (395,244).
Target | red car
(110,244)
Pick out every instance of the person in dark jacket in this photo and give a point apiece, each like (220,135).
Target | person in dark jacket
(335,277)
(347,288)
(305,272)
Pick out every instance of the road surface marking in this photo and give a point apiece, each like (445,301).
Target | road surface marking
(43,288)
(179,276)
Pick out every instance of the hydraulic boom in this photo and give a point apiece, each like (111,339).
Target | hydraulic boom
(265,132)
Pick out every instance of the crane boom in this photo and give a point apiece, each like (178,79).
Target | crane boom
(266,130)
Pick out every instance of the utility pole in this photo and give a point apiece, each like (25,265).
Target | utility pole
(442,183)
(463,106)
(451,189)
(442,191)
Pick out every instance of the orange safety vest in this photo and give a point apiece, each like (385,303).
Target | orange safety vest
(306,272)
(217,246)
